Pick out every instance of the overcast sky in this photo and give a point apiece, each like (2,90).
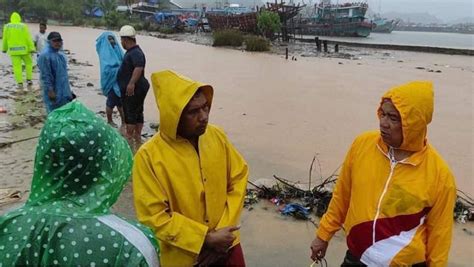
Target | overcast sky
(443,9)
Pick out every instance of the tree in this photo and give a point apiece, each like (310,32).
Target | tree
(88,5)
(268,23)
(108,6)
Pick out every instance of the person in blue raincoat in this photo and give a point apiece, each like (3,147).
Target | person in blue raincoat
(54,78)
(110,56)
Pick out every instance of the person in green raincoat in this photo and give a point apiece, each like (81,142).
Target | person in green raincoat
(81,166)
(18,43)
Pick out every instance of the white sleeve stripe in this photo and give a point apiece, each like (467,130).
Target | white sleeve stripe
(136,237)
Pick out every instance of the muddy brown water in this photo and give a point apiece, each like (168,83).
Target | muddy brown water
(280,113)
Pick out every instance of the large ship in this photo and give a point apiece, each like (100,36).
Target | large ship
(346,19)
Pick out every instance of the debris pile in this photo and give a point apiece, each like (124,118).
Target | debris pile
(295,201)
(464,208)
(292,198)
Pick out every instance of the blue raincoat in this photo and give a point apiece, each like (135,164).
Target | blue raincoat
(110,58)
(52,64)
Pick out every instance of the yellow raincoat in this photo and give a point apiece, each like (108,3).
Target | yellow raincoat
(182,195)
(395,213)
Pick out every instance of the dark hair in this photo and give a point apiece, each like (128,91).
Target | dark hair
(43,24)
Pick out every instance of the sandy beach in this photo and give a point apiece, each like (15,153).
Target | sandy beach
(279,113)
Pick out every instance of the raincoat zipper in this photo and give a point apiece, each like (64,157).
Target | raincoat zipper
(202,181)
(393,164)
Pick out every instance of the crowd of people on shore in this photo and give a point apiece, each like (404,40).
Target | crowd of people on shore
(394,196)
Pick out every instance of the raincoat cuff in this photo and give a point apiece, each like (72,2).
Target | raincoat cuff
(201,233)
(323,234)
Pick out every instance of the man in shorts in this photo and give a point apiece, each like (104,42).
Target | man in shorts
(133,84)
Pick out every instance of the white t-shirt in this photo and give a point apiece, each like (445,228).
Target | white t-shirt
(40,40)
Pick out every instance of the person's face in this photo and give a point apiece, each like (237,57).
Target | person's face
(111,40)
(124,42)
(194,117)
(42,28)
(56,44)
(390,124)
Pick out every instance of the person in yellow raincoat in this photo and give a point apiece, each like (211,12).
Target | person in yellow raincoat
(189,181)
(395,194)
(18,44)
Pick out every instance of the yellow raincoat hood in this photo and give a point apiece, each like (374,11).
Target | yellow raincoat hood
(15,18)
(172,93)
(414,102)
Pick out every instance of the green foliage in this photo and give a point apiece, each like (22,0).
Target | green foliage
(46,9)
(137,25)
(256,43)
(228,38)
(97,22)
(78,21)
(115,19)
(268,22)
(108,6)
(88,5)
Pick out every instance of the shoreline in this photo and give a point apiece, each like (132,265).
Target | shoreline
(408,48)
(378,46)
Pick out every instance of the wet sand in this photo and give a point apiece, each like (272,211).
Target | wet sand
(281,113)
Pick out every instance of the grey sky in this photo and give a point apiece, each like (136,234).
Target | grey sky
(443,9)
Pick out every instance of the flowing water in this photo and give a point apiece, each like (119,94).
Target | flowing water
(432,39)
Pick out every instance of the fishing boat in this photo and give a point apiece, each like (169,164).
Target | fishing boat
(346,19)
(232,17)
(383,25)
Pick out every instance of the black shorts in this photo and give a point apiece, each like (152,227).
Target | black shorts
(113,100)
(133,105)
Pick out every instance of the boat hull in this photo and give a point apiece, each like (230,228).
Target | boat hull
(386,27)
(360,29)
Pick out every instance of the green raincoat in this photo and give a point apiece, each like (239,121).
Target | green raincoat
(17,39)
(81,167)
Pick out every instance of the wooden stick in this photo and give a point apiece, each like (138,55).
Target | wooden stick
(16,141)
(288,184)
(258,187)
(310,172)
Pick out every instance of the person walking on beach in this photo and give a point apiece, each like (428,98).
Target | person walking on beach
(395,194)
(54,78)
(18,44)
(189,181)
(133,84)
(41,38)
(81,167)
(110,57)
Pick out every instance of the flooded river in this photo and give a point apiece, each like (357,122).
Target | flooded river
(281,113)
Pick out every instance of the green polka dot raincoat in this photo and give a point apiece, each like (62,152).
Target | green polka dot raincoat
(81,167)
